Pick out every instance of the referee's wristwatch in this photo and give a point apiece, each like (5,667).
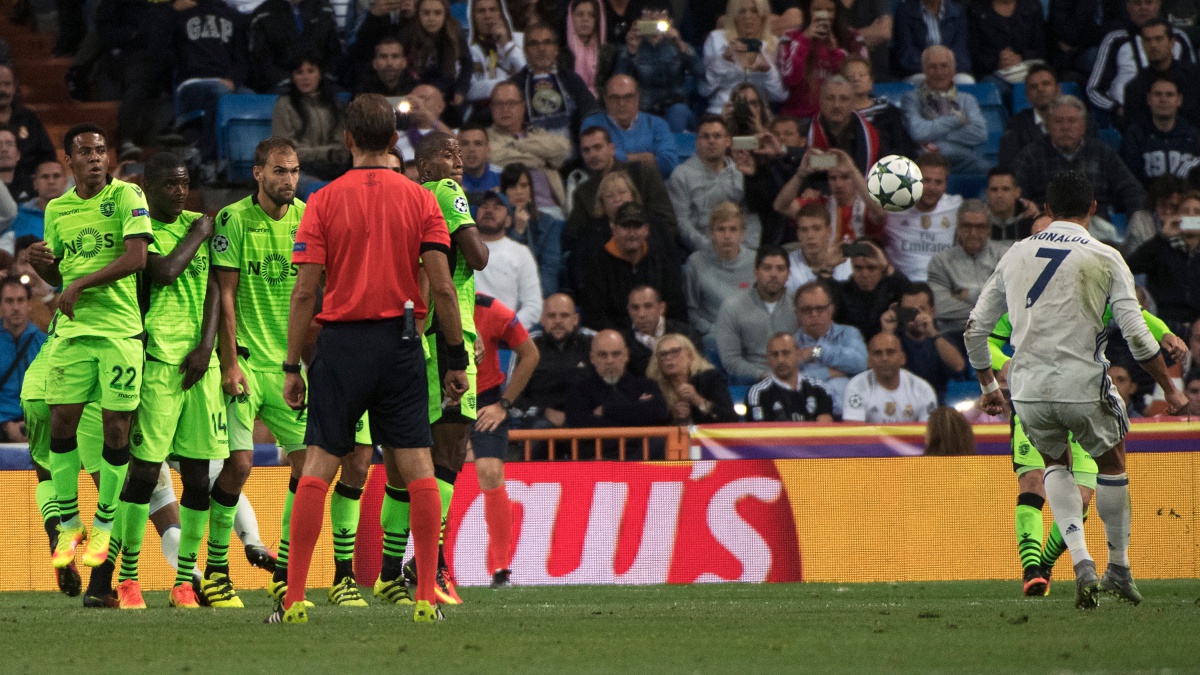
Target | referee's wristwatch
(505,404)
(293,368)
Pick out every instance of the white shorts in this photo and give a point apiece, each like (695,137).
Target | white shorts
(1097,427)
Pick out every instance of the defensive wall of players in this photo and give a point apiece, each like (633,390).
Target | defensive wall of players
(755,503)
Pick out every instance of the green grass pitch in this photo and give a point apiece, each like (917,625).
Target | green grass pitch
(720,628)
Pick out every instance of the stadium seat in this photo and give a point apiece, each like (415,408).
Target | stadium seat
(243,121)
(458,10)
(505,358)
(970,186)
(892,91)
(996,118)
(1121,222)
(685,144)
(962,390)
(1112,137)
(984,92)
(738,392)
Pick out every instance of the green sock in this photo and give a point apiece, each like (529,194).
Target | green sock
(343,515)
(1030,528)
(393,517)
(447,492)
(113,468)
(192,523)
(48,506)
(133,526)
(1055,546)
(222,507)
(285,531)
(64,473)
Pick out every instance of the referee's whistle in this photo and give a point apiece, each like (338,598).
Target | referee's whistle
(410,322)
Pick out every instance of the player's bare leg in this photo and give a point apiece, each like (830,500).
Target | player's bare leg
(1112,503)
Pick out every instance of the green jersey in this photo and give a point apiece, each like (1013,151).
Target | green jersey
(260,248)
(1003,331)
(176,311)
(87,235)
(453,201)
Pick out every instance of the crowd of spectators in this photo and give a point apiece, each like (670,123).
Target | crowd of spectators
(655,278)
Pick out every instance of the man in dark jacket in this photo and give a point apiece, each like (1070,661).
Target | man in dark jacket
(556,99)
(611,396)
(209,43)
(32,141)
(647,314)
(282,31)
(564,347)
(1159,44)
(1166,144)
(605,274)
(911,34)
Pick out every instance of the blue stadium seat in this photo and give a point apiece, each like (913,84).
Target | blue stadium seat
(243,121)
(1121,222)
(996,119)
(893,91)
(962,390)
(985,92)
(738,393)
(1112,137)
(685,144)
(968,185)
(459,11)
(505,358)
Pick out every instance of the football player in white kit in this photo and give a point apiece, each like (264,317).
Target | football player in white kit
(1055,286)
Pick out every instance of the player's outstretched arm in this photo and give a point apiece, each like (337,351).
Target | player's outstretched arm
(132,261)
(300,316)
(195,364)
(165,269)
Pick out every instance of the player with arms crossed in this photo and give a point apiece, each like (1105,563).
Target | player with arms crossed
(1038,560)
(369,232)
(439,164)
(1055,286)
(182,412)
(498,327)
(97,237)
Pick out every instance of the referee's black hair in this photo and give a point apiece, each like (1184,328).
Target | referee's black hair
(82,128)
(163,164)
(430,145)
(1069,195)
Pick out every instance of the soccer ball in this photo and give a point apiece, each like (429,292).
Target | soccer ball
(895,183)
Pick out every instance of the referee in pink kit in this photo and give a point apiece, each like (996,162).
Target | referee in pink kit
(369,232)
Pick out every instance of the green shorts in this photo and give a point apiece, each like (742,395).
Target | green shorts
(170,421)
(264,401)
(1026,458)
(435,359)
(362,431)
(89,435)
(91,368)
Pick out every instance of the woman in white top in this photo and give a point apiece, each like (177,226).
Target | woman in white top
(497,53)
(743,51)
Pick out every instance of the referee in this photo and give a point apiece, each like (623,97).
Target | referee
(369,232)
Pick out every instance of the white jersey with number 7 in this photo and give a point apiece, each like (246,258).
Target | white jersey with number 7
(1055,286)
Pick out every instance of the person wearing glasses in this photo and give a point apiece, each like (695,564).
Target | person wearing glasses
(638,136)
(830,354)
(695,391)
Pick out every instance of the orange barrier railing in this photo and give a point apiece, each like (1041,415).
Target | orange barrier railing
(675,439)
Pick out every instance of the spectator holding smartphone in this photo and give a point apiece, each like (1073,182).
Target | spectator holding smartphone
(742,51)
(808,55)
(657,57)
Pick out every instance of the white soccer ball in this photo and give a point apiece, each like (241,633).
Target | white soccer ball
(895,183)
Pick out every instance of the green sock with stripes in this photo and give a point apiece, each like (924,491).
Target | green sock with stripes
(134,517)
(64,472)
(1055,546)
(113,469)
(192,523)
(394,519)
(446,488)
(281,563)
(344,509)
(1030,528)
(222,507)
(48,506)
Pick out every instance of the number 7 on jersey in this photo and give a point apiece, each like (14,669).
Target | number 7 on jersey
(1056,257)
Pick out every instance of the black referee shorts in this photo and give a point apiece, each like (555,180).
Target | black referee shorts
(490,444)
(367,366)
